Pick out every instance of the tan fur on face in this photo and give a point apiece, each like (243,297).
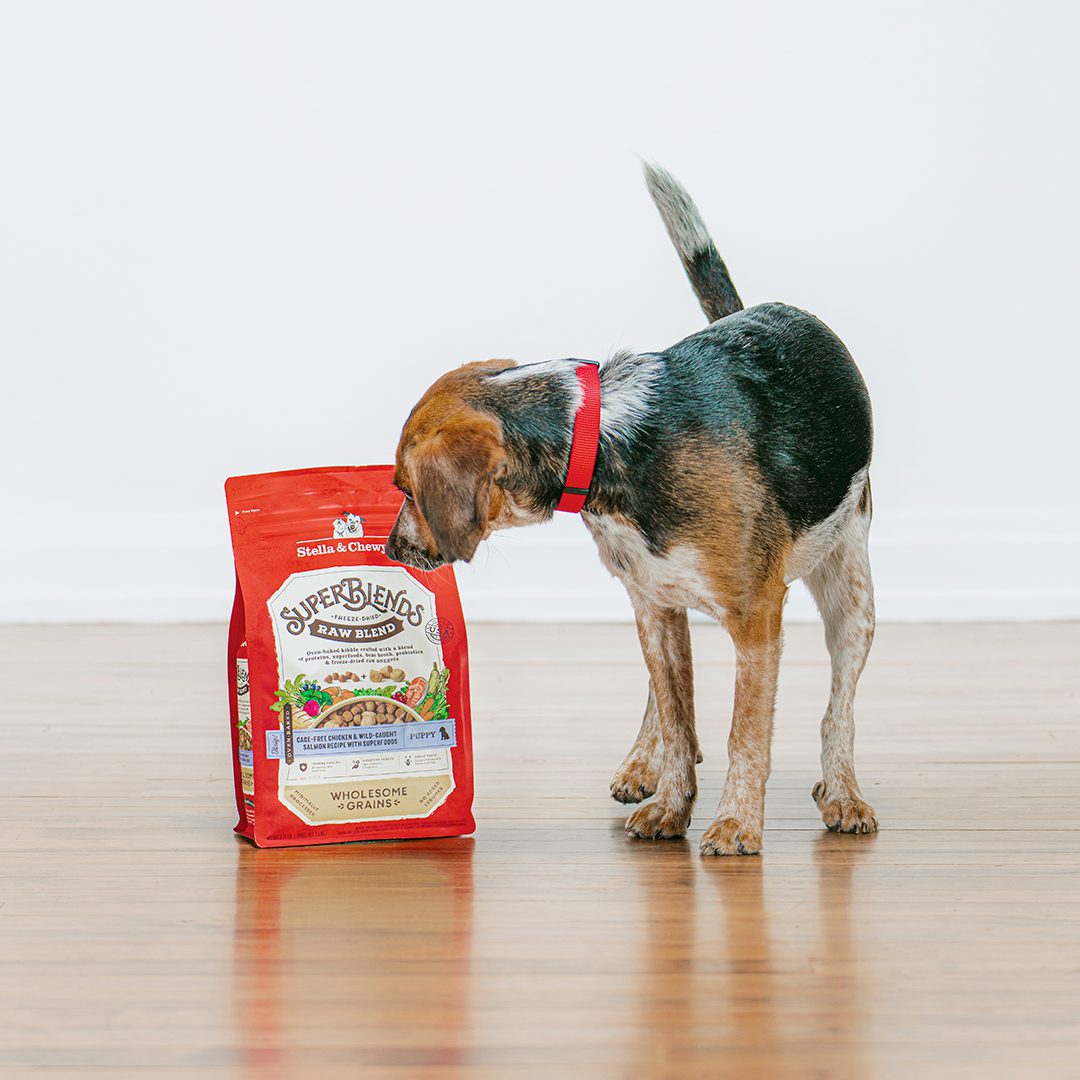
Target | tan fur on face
(449,461)
(455,473)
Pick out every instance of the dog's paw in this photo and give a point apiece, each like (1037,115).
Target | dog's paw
(660,820)
(634,782)
(730,836)
(845,813)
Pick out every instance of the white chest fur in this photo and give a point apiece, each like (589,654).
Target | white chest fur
(672,580)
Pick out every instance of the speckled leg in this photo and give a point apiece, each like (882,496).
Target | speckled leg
(844,590)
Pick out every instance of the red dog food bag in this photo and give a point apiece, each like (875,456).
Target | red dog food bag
(349,673)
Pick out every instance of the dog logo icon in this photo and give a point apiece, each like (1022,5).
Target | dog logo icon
(348,525)
(443,734)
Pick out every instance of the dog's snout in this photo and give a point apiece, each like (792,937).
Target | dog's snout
(403,550)
(396,548)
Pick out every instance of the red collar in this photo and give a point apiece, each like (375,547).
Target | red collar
(586,439)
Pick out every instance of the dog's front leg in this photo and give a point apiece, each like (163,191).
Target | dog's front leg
(640,770)
(665,643)
(740,817)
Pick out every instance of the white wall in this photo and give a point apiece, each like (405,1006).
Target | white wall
(238,237)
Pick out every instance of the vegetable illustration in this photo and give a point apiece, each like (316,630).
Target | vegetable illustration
(376,691)
(432,705)
(416,691)
(426,696)
(301,693)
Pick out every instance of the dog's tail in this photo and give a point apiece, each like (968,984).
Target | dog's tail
(701,261)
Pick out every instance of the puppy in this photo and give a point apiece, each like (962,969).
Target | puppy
(724,468)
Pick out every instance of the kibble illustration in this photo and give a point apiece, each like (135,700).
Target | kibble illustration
(400,702)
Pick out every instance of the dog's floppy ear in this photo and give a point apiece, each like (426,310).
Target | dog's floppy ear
(454,471)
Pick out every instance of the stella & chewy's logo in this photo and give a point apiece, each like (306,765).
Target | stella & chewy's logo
(348,525)
(353,594)
(348,537)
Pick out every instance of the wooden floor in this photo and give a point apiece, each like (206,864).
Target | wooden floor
(139,937)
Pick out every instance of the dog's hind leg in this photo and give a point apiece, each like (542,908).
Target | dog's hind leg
(740,817)
(844,591)
(665,643)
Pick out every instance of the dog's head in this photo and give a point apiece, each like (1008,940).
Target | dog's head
(451,465)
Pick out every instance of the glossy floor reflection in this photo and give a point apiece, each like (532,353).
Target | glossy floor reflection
(346,948)
(138,937)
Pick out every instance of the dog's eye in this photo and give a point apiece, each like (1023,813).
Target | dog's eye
(407,494)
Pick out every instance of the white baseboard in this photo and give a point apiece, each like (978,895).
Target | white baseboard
(173,568)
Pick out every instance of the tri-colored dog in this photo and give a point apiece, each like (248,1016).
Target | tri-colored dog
(711,475)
